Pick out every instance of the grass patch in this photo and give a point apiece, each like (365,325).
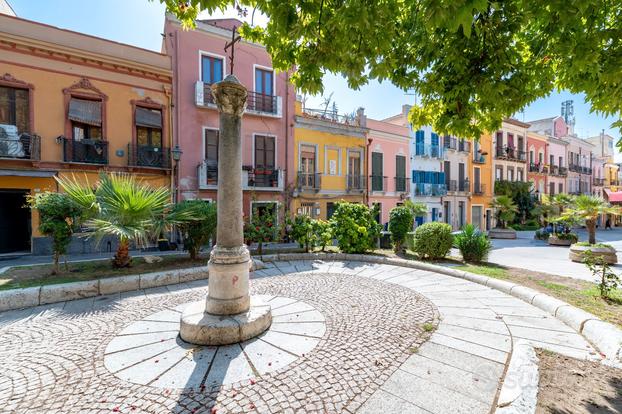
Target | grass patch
(31,276)
(490,270)
(601,245)
(428,327)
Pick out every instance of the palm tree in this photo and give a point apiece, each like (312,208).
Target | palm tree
(505,210)
(588,208)
(418,209)
(124,207)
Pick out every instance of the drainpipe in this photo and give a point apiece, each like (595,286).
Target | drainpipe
(287,141)
(177,115)
(367,161)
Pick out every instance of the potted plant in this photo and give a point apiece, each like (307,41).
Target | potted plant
(505,211)
(587,209)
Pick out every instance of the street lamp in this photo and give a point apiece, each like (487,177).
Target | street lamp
(176,152)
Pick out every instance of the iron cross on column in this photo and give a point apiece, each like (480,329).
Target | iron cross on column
(235,37)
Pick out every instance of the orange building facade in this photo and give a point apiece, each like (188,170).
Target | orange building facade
(75,105)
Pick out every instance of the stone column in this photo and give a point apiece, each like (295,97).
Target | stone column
(229,314)
(229,260)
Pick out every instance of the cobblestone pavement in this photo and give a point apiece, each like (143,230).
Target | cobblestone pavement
(373,357)
(53,357)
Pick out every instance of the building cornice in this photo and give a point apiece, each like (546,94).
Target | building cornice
(330,127)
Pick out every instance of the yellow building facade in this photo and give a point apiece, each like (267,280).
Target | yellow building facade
(330,155)
(482,183)
(75,105)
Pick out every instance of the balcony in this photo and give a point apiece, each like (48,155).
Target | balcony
(511,154)
(538,168)
(479,158)
(430,190)
(429,151)
(479,189)
(378,183)
(580,169)
(148,156)
(88,151)
(450,143)
(558,171)
(330,116)
(598,182)
(401,184)
(252,178)
(356,183)
(256,103)
(308,181)
(22,147)
(464,146)
(454,186)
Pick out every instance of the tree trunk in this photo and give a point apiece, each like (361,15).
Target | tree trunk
(591,231)
(56,260)
(122,257)
(194,253)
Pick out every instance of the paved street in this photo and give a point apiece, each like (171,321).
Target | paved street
(527,253)
(374,355)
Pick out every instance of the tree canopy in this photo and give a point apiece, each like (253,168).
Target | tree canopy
(470,62)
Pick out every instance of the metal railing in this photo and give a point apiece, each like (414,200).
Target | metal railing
(426,189)
(262,177)
(148,156)
(259,102)
(309,181)
(356,182)
(510,153)
(479,158)
(598,182)
(378,183)
(90,151)
(24,147)
(464,146)
(479,188)
(536,167)
(330,115)
(457,185)
(433,151)
(401,184)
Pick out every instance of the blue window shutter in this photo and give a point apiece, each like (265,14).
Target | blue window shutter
(441,178)
(434,139)
(419,135)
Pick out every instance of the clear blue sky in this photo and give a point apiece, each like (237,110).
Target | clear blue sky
(140,22)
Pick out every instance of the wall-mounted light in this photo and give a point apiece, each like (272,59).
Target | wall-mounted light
(176,152)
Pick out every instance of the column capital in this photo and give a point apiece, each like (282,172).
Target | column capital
(230,96)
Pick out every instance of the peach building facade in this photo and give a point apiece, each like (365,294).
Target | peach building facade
(74,105)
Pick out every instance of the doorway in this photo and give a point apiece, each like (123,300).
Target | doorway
(15,221)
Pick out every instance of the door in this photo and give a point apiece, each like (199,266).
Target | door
(307,167)
(376,172)
(400,173)
(461,178)
(265,172)
(488,218)
(476,216)
(264,83)
(211,155)
(446,212)
(355,181)
(15,225)
(477,187)
(460,214)
(447,170)
(434,214)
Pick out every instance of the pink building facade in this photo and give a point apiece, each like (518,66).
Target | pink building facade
(558,167)
(389,161)
(199,60)
(537,161)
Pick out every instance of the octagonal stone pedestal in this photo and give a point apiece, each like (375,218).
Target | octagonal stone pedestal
(577,253)
(202,328)
(498,233)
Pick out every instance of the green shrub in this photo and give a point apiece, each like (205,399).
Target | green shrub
(302,231)
(410,240)
(602,245)
(197,232)
(433,240)
(567,236)
(400,223)
(473,244)
(57,214)
(262,228)
(542,235)
(323,233)
(354,227)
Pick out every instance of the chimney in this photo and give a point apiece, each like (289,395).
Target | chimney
(406,109)
(361,118)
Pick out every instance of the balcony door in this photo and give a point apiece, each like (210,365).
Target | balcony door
(400,173)
(376,172)
(476,180)
(265,161)
(264,85)
(211,69)
(354,170)
(211,155)
(461,178)
(148,150)
(307,166)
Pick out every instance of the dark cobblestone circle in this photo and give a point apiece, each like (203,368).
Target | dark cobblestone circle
(53,363)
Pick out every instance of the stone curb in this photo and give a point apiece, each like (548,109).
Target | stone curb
(606,337)
(43,295)
(519,392)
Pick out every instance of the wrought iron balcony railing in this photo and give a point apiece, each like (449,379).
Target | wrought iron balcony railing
(356,182)
(89,151)
(261,177)
(309,181)
(598,182)
(432,151)
(433,190)
(401,184)
(23,146)
(256,103)
(510,153)
(378,182)
(479,188)
(148,156)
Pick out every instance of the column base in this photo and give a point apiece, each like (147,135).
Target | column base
(202,328)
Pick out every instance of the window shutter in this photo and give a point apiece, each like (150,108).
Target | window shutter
(150,118)
(85,111)
(434,139)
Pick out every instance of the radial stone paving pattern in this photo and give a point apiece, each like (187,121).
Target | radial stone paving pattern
(351,334)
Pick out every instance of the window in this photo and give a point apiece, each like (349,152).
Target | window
(552,189)
(400,173)
(148,127)
(519,174)
(540,157)
(531,159)
(264,81)
(211,155)
(460,214)
(511,141)
(211,69)
(377,181)
(330,210)
(561,161)
(510,174)
(265,161)
(499,173)
(419,142)
(86,119)
(551,160)
(307,166)
(14,108)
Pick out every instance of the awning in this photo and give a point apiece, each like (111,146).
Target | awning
(85,111)
(150,118)
(614,196)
